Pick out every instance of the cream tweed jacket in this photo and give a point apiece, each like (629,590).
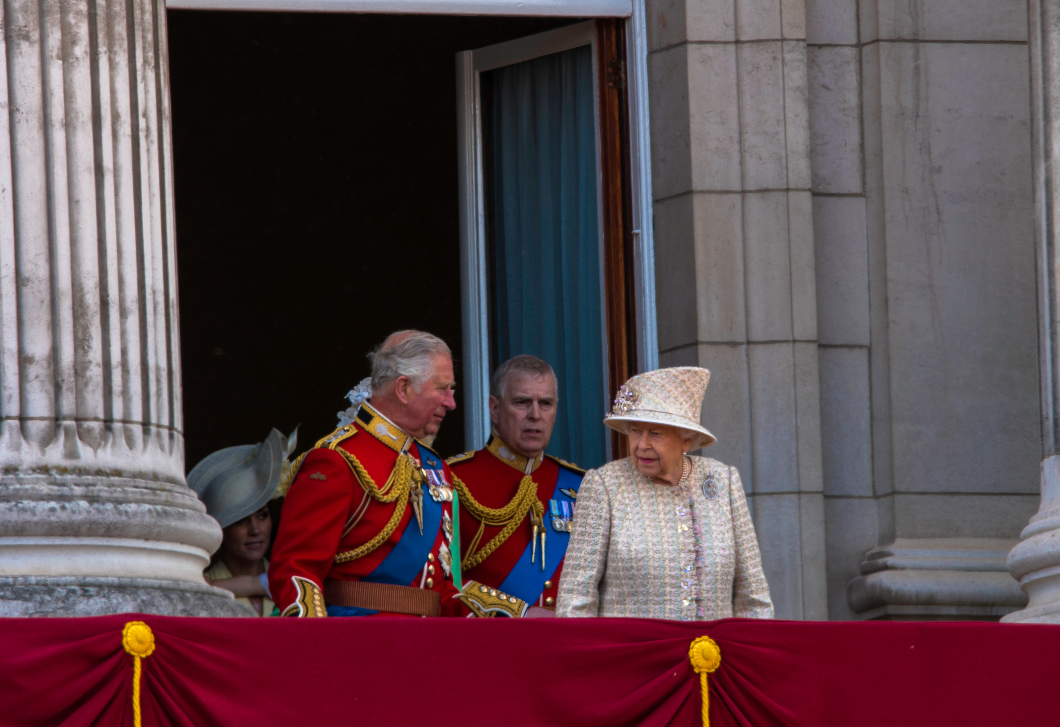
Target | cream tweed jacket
(686,552)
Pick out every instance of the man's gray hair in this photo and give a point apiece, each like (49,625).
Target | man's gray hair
(524,364)
(406,353)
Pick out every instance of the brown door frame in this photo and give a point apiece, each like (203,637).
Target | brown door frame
(617,204)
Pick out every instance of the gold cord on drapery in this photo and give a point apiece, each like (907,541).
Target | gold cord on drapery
(706,658)
(139,641)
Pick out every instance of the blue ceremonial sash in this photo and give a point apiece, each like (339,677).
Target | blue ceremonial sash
(527,580)
(339,611)
(406,560)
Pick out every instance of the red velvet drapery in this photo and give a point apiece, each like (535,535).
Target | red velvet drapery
(612,672)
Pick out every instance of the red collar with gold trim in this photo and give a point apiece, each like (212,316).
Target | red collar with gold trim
(499,449)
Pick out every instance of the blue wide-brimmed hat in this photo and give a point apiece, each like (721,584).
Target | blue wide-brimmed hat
(237,481)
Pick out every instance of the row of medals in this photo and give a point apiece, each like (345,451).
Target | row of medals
(440,491)
(562,513)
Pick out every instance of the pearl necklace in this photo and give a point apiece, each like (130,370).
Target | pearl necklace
(686,470)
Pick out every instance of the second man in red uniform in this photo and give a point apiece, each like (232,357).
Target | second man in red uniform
(516,502)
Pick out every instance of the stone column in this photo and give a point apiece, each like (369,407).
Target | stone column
(1035,561)
(734,257)
(94,513)
(930,410)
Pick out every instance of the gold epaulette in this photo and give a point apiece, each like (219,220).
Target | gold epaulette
(460,458)
(339,435)
(329,442)
(286,478)
(566,465)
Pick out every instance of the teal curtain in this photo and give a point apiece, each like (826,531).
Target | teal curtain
(546,242)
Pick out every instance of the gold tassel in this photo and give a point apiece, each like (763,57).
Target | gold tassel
(542,546)
(706,658)
(537,525)
(418,477)
(138,640)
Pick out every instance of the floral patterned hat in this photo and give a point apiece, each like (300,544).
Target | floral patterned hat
(664,396)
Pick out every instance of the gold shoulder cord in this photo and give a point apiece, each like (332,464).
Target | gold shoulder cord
(287,478)
(399,485)
(508,516)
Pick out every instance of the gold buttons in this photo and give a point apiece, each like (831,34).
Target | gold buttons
(548,584)
(550,601)
(430,557)
(430,570)
(430,583)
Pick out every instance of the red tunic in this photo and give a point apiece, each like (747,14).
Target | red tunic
(321,502)
(492,475)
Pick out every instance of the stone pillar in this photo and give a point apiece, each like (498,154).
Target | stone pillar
(734,259)
(94,513)
(925,259)
(1035,561)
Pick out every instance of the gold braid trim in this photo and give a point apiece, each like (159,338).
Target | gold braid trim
(403,478)
(286,478)
(509,516)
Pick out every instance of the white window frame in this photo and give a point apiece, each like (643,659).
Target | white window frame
(476,350)
(557,8)
(474,295)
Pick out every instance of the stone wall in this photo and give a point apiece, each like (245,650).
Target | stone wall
(844,187)
(844,235)
(926,300)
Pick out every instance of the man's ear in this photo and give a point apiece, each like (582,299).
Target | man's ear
(403,389)
(494,405)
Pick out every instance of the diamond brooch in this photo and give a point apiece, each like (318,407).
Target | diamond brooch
(626,401)
(710,488)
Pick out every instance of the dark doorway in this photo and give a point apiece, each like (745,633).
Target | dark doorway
(315,169)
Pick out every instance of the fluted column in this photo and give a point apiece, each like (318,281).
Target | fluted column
(1035,561)
(94,513)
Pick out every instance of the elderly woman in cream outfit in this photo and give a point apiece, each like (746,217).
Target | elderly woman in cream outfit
(662,534)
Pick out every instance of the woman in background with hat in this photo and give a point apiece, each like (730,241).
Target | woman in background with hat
(239,563)
(662,534)
(238,485)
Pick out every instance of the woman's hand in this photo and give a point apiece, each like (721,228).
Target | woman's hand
(241,586)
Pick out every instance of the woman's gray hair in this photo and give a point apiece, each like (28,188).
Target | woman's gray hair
(406,353)
(686,435)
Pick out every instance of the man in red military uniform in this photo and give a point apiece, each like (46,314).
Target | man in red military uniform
(367,524)
(517,502)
